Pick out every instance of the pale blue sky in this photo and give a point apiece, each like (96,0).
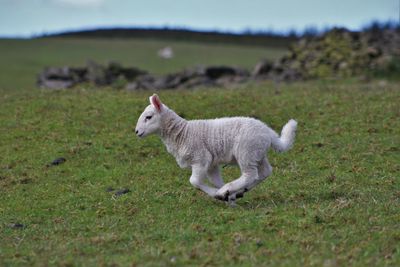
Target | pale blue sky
(27,17)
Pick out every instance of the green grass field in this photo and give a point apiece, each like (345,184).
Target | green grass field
(22,60)
(333,200)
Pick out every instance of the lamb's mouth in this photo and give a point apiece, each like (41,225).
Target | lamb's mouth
(140,135)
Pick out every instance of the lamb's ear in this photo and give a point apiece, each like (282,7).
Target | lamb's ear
(155,101)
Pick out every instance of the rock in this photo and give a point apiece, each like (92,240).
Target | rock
(57,161)
(122,192)
(290,75)
(227,81)
(115,70)
(262,68)
(56,84)
(133,86)
(337,53)
(145,82)
(99,75)
(215,72)
(16,226)
(189,78)
(197,81)
(61,78)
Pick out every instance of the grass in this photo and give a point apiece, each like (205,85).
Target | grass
(333,200)
(22,60)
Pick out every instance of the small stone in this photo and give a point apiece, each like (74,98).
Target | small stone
(172,259)
(318,144)
(122,192)
(17,226)
(58,161)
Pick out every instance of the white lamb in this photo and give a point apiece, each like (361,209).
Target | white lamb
(205,144)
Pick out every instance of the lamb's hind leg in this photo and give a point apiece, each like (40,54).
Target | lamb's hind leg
(264,170)
(249,175)
(199,174)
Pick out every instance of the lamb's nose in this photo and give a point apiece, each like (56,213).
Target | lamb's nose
(136,131)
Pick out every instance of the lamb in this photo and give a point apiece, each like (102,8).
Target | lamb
(203,145)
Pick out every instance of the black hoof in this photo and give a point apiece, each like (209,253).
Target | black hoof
(219,198)
(225,197)
(239,195)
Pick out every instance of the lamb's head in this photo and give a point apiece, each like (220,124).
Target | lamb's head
(149,121)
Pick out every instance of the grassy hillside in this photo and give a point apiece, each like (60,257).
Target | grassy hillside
(333,200)
(21,60)
(186,35)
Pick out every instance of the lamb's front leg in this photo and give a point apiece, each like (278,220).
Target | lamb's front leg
(214,176)
(199,174)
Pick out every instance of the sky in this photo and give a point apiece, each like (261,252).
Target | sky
(25,18)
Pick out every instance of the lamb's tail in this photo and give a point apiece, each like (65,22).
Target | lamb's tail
(285,142)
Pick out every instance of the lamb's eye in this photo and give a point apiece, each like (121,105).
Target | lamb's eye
(148,118)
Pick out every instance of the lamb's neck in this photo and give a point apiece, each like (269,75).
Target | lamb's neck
(173,129)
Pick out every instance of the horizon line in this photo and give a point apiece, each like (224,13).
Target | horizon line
(245,30)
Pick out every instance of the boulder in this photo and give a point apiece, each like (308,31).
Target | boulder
(115,70)
(97,74)
(189,78)
(262,68)
(215,72)
(337,53)
(60,78)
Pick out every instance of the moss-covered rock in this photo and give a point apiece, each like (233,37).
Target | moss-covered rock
(337,53)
